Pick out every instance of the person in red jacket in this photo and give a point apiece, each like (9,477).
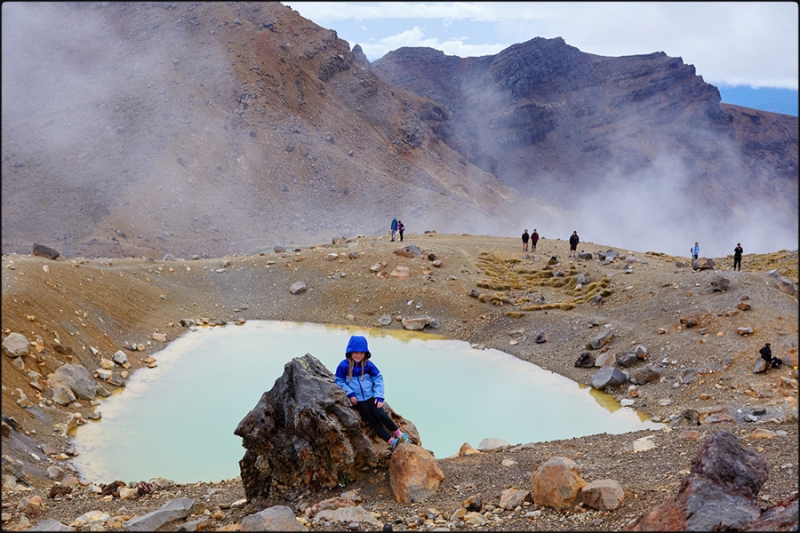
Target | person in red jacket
(534,240)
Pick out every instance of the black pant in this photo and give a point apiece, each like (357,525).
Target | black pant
(401,235)
(376,418)
(737,261)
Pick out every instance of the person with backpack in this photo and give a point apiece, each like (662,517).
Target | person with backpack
(766,355)
(534,240)
(363,384)
(400,229)
(695,250)
(525,238)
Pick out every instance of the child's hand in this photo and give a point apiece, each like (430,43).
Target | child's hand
(378,404)
(353,400)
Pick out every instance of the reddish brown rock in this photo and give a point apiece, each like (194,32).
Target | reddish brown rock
(719,494)
(413,473)
(556,483)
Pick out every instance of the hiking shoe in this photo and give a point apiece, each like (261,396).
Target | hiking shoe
(395,442)
(404,437)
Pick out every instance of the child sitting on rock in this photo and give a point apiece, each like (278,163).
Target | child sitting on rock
(363,383)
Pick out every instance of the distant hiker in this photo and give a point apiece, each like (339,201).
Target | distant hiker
(525,238)
(737,256)
(363,383)
(400,229)
(534,240)
(394,227)
(766,355)
(695,251)
(573,243)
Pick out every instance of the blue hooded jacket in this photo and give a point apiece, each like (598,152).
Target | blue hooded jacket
(394,224)
(367,381)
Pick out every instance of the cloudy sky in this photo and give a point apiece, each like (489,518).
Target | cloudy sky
(746,45)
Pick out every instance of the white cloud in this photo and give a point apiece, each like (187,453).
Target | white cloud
(415,37)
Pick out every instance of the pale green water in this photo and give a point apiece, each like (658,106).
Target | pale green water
(177,420)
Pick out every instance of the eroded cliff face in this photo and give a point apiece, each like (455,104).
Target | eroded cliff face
(553,121)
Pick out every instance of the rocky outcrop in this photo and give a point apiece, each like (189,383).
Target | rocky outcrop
(510,113)
(719,494)
(304,435)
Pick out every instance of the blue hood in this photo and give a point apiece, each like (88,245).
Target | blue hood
(357,343)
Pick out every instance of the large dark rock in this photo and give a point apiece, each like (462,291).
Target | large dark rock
(304,435)
(719,494)
(46,251)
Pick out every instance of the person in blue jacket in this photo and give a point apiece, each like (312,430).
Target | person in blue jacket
(394,227)
(363,384)
(695,250)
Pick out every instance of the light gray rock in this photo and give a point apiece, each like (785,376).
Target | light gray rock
(347,515)
(63,395)
(120,357)
(492,444)
(77,378)
(51,525)
(277,518)
(385,320)
(608,376)
(169,512)
(603,495)
(298,287)
(16,345)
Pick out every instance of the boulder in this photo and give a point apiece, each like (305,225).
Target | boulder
(720,284)
(16,345)
(75,377)
(786,285)
(647,374)
(409,251)
(601,340)
(304,434)
(416,323)
(608,376)
(603,495)
(493,444)
(46,251)
(605,359)
(511,498)
(556,483)
(169,512)
(719,494)
(585,360)
(586,256)
(413,473)
(607,255)
(702,263)
(760,366)
(298,287)
(780,517)
(627,359)
(277,518)
(52,525)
